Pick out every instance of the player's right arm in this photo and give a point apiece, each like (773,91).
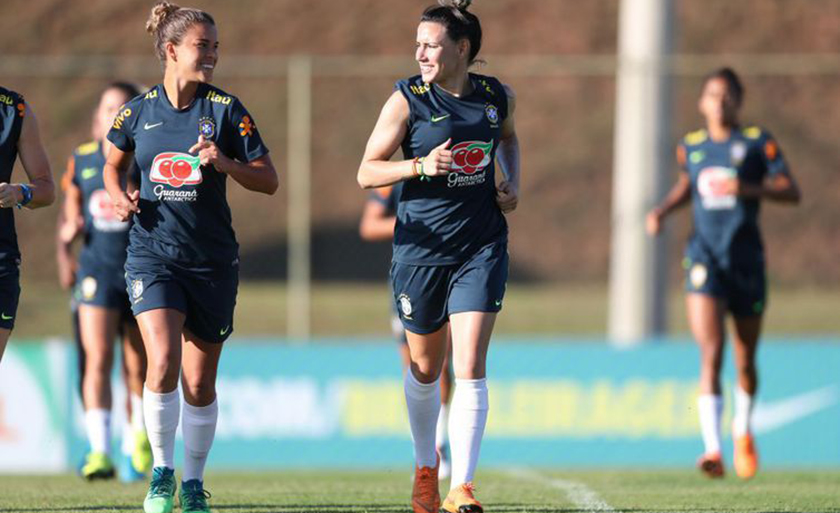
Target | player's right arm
(125,204)
(678,196)
(69,226)
(376,169)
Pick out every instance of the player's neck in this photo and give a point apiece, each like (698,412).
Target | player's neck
(719,131)
(180,93)
(459,85)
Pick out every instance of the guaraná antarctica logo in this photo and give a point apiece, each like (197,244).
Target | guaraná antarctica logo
(102,211)
(175,169)
(468,158)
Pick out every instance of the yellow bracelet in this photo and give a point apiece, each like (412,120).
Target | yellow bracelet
(414,162)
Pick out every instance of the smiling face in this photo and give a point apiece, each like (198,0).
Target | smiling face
(195,57)
(439,57)
(717,103)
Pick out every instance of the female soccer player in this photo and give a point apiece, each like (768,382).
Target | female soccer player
(727,170)
(187,137)
(450,245)
(18,135)
(103,308)
(378,220)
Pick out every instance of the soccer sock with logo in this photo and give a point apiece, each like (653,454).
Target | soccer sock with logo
(162,412)
(199,429)
(98,424)
(442,426)
(467,418)
(710,408)
(423,402)
(743,413)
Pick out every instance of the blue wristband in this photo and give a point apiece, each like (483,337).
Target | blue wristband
(27,195)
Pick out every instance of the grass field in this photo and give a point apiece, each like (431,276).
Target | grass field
(362,310)
(516,491)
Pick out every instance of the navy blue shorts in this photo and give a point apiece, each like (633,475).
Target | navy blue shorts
(206,301)
(426,295)
(102,286)
(743,288)
(9,297)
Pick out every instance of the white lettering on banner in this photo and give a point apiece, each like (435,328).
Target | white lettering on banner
(259,408)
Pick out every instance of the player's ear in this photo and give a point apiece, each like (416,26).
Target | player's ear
(171,54)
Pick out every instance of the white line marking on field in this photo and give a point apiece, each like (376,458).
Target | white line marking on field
(581,495)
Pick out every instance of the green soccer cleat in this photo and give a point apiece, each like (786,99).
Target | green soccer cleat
(161,496)
(194,497)
(97,466)
(141,458)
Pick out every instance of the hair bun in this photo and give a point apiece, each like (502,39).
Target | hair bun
(160,12)
(461,5)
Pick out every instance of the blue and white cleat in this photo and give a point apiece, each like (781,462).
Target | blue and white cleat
(127,472)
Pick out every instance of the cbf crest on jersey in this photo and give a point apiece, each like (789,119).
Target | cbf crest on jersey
(492,113)
(207,127)
(737,152)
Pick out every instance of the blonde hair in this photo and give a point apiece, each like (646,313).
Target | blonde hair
(169,22)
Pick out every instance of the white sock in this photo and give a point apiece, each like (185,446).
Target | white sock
(423,402)
(743,413)
(199,429)
(162,412)
(127,439)
(467,418)
(137,422)
(710,408)
(98,424)
(442,426)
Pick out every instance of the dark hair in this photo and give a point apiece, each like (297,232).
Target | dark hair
(733,83)
(127,88)
(458,21)
(168,23)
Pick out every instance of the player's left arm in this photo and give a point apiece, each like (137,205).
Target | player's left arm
(507,154)
(37,167)
(257,175)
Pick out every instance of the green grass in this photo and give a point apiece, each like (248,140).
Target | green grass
(363,310)
(385,492)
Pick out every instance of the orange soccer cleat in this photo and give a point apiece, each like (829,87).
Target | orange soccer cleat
(746,457)
(461,500)
(711,465)
(425,497)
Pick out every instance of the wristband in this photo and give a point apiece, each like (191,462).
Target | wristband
(26,191)
(423,176)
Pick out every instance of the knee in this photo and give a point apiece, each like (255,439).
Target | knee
(424,372)
(469,367)
(199,390)
(162,373)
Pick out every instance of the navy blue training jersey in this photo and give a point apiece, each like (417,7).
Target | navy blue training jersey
(12,109)
(448,218)
(726,227)
(184,215)
(106,237)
